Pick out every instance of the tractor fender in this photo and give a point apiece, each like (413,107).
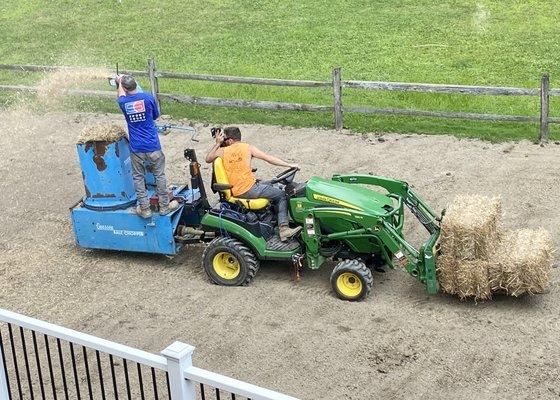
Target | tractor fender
(226,228)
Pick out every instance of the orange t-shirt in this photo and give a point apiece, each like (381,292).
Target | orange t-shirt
(237,163)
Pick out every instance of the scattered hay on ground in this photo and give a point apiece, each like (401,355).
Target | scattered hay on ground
(471,227)
(102,133)
(19,117)
(523,262)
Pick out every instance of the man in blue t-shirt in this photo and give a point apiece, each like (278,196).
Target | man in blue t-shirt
(140,111)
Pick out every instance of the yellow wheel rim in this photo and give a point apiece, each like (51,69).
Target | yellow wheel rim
(349,284)
(226,265)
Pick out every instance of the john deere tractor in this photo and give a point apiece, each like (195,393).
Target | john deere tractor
(343,219)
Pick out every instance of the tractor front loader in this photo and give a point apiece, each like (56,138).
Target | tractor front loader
(379,232)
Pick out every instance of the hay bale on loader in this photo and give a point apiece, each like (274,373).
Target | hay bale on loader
(478,258)
(470,232)
(102,133)
(522,263)
(464,278)
(471,227)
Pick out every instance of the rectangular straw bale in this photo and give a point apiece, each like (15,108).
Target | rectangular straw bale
(102,133)
(523,262)
(464,278)
(471,227)
(446,274)
(472,279)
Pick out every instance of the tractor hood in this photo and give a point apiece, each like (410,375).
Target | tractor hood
(347,195)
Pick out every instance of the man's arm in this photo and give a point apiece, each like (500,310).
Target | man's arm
(216,151)
(261,155)
(120,90)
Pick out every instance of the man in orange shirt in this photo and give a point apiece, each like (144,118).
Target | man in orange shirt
(237,157)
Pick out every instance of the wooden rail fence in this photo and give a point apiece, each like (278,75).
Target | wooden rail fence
(337,85)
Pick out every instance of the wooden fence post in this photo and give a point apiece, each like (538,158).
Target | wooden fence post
(154,85)
(337,94)
(179,358)
(545,97)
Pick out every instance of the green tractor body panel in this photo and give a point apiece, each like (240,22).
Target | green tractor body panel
(346,195)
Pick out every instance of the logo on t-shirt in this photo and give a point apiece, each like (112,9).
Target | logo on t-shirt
(136,110)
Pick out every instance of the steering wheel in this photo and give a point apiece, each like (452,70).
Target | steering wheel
(286,176)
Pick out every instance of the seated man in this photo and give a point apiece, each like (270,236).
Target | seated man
(237,157)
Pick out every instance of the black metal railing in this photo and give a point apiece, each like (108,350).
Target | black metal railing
(38,366)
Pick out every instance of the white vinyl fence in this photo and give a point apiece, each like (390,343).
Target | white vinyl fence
(39,360)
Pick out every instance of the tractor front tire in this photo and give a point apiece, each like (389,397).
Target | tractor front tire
(229,262)
(351,280)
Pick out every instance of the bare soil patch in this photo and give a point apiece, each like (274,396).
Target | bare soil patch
(295,338)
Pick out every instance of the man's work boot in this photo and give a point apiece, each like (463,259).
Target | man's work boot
(143,212)
(286,232)
(172,206)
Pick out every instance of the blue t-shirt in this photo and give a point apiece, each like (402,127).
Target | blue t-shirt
(140,111)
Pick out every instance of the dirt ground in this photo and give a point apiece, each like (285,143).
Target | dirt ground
(295,338)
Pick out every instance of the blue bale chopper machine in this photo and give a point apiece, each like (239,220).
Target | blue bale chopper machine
(105,217)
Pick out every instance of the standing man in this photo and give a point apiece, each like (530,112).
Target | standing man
(140,111)
(237,157)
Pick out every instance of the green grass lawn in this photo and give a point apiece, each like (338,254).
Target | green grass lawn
(498,43)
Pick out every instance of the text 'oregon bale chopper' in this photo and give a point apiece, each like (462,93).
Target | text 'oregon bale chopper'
(342,220)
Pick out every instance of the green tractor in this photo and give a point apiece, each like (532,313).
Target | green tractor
(342,219)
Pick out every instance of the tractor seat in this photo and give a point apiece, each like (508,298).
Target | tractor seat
(223,186)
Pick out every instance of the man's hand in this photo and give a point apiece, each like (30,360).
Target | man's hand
(220,137)
(216,150)
(118,80)
(294,166)
(120,90)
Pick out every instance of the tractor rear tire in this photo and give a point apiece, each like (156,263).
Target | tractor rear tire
(351,280)
(229,262)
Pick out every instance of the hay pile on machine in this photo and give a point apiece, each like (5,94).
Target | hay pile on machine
(478,258)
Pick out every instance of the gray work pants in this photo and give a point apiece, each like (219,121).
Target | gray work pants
(156,160)
(276,196)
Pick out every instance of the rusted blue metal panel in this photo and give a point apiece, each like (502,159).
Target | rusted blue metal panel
(107,174)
